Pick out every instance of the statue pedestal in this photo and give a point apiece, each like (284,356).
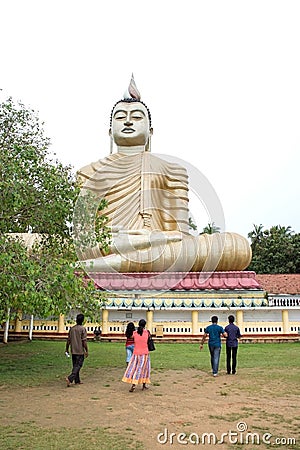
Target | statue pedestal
(175,281)
(180,290)
(179,305)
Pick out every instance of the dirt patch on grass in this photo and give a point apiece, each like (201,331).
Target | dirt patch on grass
(180,401)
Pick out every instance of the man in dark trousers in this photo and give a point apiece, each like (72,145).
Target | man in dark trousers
(233,334)
(77,339)
(215,333)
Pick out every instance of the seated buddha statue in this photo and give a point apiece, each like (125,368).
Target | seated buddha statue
(147,206)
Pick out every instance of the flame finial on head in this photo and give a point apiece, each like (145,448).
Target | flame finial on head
(132,92)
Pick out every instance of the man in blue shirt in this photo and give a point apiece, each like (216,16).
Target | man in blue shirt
(215,332)
(233,334)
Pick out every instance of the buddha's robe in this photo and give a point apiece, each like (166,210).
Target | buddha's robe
(146,192)
(142,191)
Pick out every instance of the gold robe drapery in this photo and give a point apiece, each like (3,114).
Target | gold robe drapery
(142,191)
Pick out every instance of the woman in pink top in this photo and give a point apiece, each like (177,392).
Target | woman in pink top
(138,369)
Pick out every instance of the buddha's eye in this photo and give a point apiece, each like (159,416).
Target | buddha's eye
(120,116)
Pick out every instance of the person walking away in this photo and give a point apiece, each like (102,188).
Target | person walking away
(77,340)
(129,344)
(233,334)
(214,331)
(138,369)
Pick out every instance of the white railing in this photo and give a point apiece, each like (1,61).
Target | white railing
(290,302)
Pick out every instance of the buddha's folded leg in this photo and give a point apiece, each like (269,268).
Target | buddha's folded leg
(222,252)
(206,252)
(171,256)
(237,253)
(128,242)
(215,252)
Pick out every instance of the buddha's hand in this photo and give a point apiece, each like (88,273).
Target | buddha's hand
(131,240)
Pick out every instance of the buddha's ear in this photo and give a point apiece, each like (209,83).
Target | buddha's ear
(111,147)
(148,145)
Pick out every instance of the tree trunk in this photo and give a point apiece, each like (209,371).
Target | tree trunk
(5,336)
(30,327)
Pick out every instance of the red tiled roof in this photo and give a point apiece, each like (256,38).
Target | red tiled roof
(280,283)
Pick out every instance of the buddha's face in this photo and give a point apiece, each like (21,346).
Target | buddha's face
(130,124)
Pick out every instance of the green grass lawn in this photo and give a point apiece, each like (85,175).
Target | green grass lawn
(40,363)
(37,362)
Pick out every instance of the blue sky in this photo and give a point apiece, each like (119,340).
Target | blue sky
(221,80)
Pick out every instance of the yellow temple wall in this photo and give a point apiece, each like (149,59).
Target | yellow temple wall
(188,323)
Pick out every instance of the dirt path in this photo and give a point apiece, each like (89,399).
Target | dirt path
(183,401)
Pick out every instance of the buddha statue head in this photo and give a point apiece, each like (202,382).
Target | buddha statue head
(130,123)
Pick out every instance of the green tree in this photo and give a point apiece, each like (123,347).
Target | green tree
(42,282)
(256,235)
(276,250)
(210,229)
(38,195)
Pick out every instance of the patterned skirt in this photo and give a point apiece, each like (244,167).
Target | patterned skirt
(138,370)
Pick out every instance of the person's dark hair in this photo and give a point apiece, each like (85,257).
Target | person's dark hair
(142,324)
(79,319)
(129,329)
(214,319)
(130,100)
(230,319)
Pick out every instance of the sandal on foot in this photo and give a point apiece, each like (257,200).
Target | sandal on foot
(145,387)
(132,388)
